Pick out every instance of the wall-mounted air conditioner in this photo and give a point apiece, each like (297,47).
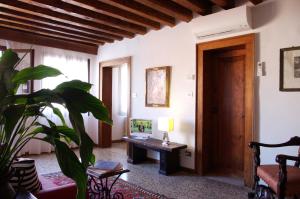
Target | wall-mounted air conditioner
(223,22)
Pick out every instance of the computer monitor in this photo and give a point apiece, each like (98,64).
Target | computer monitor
(140,128)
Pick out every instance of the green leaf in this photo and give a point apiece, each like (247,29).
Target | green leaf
(38,130)
(34,110)
(71,167)
(86,145)
(35,73)
(58,113)
(3,91)
(84,102)
(46,96)
(12,115)
(8,60)
(68,132)
(77,84)
(7,79)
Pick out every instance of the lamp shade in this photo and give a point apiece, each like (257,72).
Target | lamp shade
(165,124)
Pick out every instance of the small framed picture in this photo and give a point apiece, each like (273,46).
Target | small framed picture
(290,69)
(158,86)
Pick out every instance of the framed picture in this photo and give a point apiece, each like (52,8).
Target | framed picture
(28,61)
(158,86)
(290,69)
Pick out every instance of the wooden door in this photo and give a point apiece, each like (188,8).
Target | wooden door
(224,121)
(106,134)
(207,114)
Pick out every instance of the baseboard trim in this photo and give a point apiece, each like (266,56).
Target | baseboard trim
(153,160)
(188,170)
(117,141)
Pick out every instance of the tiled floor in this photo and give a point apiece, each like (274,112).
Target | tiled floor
(181,186)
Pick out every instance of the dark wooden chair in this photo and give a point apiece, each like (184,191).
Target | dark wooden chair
(282,180)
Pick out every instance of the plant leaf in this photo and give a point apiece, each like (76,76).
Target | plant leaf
(85,102)
(35,73)
(74,84)
(34,110)
(3,91)
(45,95)
(58,113)
(86,145)
(7,77)
(8,60)
(68,132)
(71,167)
(12,115)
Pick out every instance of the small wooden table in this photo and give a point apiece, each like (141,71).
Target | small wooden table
(169,155)
(98,186)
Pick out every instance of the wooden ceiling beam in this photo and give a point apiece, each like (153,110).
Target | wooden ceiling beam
(43,20)
(142,10)
(202,7)
(53,28)
(255,2)
(225,4)
(73,10)
(43,12)
(116,12)
(25,37)
(170,8)
(40,31)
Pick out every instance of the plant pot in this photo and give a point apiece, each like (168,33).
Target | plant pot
(6,190)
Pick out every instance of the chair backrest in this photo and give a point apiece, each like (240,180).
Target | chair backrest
(295,141)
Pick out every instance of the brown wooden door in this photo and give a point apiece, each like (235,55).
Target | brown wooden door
(105,129)
(224,121)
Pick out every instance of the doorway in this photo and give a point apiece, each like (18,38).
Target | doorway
(114,90)
(224,115)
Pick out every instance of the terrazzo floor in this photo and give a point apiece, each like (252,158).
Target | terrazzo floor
(181,185)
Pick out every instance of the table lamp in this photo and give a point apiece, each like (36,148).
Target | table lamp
(165,125)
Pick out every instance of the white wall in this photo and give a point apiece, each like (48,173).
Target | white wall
(277,113)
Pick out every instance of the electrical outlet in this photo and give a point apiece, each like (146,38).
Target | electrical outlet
(190,94)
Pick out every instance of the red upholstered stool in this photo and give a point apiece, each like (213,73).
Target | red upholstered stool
(52,190)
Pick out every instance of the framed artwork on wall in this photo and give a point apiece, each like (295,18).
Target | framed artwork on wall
(290,69)
(158,86)
(27,61)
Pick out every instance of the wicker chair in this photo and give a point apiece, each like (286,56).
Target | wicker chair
(282,180)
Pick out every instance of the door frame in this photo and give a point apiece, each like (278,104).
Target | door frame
(112,64)
(248,42)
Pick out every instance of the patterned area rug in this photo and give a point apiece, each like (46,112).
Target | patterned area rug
(129,190)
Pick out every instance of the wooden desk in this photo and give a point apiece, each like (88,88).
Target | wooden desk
(169,155)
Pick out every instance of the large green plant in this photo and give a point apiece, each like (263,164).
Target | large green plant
(20,116)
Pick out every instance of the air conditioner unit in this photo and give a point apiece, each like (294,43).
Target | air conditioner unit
(223,22)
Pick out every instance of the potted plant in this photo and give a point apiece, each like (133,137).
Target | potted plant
(20,116)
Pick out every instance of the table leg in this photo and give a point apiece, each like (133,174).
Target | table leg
(99,188)
(135,154)
(169,162)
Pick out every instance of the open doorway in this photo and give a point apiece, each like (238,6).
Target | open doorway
(224,115)
(114,91)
